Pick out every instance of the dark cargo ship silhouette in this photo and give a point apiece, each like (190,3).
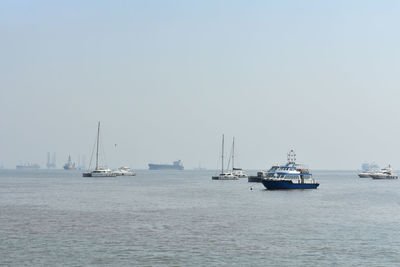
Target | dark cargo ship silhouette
(177,165)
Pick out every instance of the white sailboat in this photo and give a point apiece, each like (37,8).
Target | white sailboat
(99,171)
(236,171)
(224,175)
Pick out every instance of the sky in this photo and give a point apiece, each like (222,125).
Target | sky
(168,78)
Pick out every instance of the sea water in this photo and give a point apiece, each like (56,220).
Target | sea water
(183,218)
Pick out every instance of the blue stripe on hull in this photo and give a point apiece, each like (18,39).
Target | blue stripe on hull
(274,185)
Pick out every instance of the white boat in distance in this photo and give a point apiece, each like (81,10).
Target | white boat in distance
(99,171)
(124,171)
(367,174)
(239,173)
(368,169)
(385,173)
(224,175)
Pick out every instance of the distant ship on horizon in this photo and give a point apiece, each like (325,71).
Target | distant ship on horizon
(69,165)
(28,166)
(176,165)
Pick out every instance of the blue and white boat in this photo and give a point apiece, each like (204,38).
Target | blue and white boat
(289,176)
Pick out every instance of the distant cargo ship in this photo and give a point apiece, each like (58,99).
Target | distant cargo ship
(177,165)
(28,166)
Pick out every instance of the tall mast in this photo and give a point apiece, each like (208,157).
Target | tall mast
(97,146)
(222,156)
(233,153)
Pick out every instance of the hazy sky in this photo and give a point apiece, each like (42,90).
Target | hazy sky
(168,78)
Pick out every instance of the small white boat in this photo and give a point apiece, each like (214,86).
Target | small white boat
(366,174)
(239,173)
(368,169)
(124,171)
(385,173)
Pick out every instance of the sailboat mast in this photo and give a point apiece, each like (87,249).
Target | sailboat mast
(222,156)
(97,146)
(233,153)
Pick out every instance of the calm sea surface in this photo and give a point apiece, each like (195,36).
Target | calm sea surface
(172,218)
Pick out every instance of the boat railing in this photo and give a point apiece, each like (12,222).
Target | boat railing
(304,171)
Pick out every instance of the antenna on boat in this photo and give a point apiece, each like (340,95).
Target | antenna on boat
(233,154)
(97,147)
(222,156)
(291,157)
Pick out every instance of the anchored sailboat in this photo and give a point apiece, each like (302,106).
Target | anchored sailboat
(236,171)
(224,175)
(99,171)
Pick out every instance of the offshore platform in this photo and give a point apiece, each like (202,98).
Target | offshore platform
(51,163)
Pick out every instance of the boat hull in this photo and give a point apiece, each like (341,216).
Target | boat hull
(125,174)
(224,178)
(254,179)
(89,174)
(103,175)
(277,185)
(380,177)
(364,175)
(165,167)
(67,168)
